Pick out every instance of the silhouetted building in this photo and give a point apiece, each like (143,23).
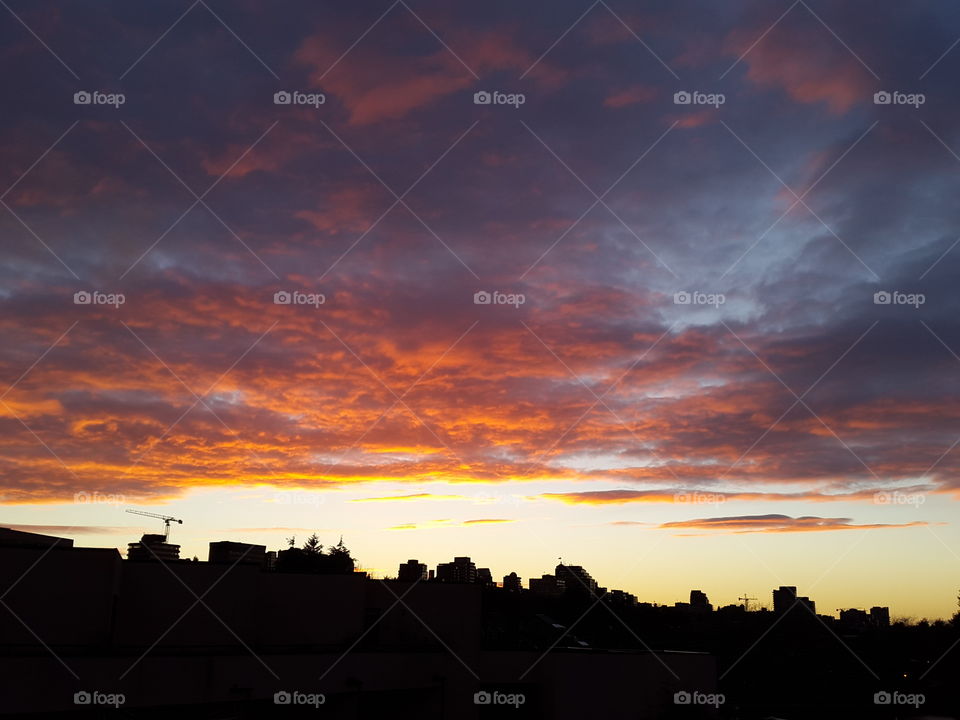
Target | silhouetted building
(227,551)
(620,597)
(548,585)
(880,616)
(732,610)
(461,570)
(853,619)
(18,538)
(485,577)
(512,582)
(699,601)
(412,571)
(785,597)
(576,579)
(152,548)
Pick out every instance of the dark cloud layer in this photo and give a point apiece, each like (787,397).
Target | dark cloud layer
(398,375)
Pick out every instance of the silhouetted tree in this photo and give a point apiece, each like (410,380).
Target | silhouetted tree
(339,559)
(313,546)
(312,559)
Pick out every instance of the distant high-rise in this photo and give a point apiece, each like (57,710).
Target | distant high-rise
(512,582)
(700,601)
(785,597)
(461,570)
(880,616)
(152,548)
(576,579)
(485,577)
(412,571)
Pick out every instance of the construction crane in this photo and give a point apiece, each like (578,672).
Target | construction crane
(746,602)
(167,519)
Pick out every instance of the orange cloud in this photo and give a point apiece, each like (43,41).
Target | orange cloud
(412,496)
(301,410)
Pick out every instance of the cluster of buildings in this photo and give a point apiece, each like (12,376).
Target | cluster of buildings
(566,578)
(575,579)
(227,636)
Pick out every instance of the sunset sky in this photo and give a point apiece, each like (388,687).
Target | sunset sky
(782,427)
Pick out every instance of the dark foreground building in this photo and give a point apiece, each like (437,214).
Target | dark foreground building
(84,633)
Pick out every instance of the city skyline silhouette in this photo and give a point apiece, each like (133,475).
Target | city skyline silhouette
(623,336)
